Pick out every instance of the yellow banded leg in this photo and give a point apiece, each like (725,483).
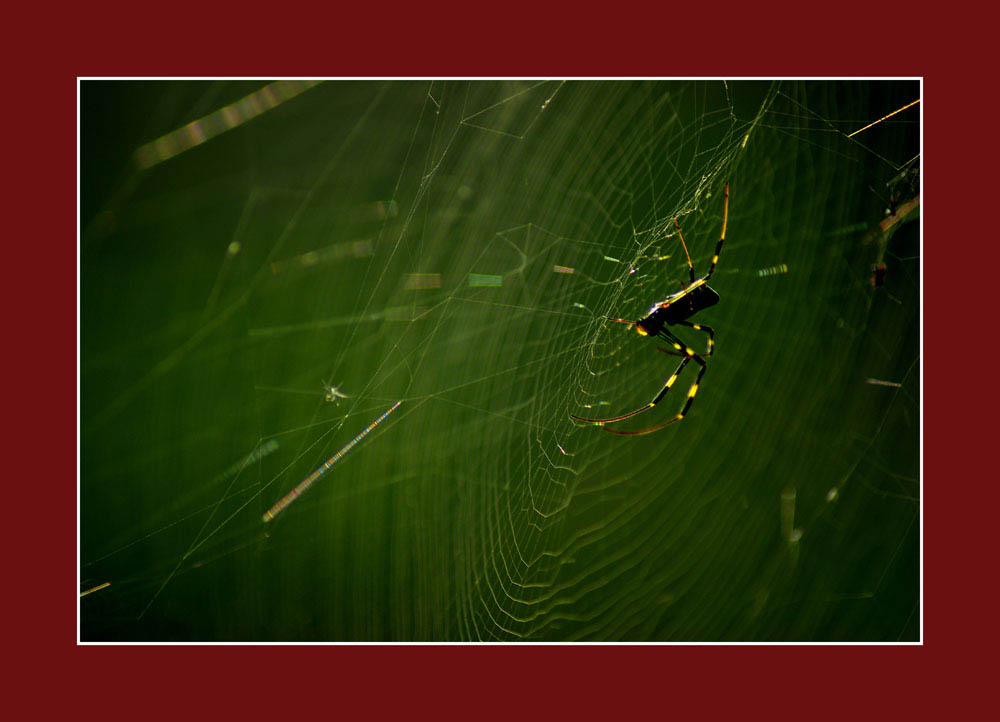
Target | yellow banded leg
(694,389)
(704,329)
(722,238)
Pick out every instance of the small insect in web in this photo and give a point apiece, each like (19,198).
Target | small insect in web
(333,393)
(675,309)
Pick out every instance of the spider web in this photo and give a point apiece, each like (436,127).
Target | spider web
(458,246)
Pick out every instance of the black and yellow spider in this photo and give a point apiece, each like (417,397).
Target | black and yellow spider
(676,309)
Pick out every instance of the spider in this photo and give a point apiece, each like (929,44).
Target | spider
(675,309)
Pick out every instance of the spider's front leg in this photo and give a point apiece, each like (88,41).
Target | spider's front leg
(722,237)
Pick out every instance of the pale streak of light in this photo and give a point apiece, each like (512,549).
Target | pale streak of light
(418,281)
(214,124)
(563,269)
(484,279)
(880,382)
(347,249)
(259,453)
(848,229)
(384,210)
(303,486)
(95,589)
(908,105)
(393,313)
(788,531)
(505,100)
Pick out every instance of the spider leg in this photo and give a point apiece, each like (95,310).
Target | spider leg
(647,407)
(684,245)
(683,412)
(643,432)
(689,355)
(697,327)
(722,238)
(678,353)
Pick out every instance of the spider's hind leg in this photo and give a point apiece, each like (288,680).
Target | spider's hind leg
(689,355)
(706,329)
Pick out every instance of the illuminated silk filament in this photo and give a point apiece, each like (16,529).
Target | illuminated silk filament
(286,501)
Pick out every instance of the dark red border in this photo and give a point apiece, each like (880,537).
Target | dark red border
(465,39)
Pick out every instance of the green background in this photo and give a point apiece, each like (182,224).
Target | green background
(785,506)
